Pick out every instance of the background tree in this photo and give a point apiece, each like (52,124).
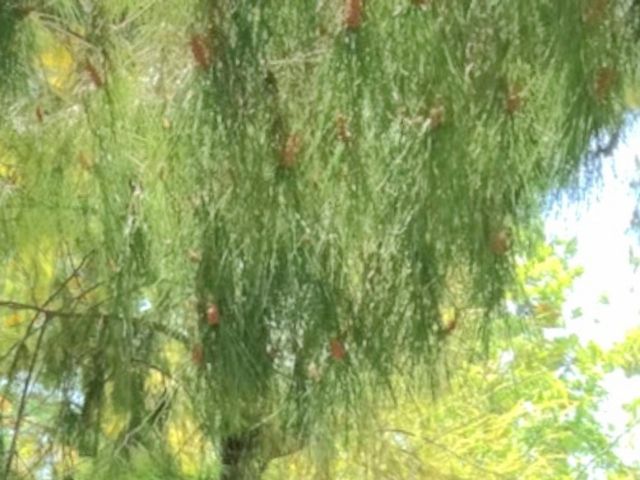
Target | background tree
(526,410)
(248,216)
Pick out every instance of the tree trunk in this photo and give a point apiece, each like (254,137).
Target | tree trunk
(241,459)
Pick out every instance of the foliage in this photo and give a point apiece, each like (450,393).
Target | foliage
(626,355)
(249,216)
(526,412)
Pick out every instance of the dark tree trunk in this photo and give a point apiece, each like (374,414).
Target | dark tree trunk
(241,459)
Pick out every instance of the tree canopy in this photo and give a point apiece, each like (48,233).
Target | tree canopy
(259,212)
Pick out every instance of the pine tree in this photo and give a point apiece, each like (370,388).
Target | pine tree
(244,218)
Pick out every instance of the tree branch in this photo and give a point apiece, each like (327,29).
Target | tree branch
(27,383)
(23,403)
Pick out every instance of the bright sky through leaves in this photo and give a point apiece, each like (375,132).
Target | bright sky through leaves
(607,292)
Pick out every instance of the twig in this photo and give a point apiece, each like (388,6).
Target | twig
(56,24)
(474,464)
(606,149)
(150,419)
(23,403)
(43,309)
(158,327)
(25,390)
(25,306)
(612,444)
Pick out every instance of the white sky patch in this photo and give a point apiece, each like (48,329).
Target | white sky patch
(506,359)
(600,224)
(621,389)
(601,227)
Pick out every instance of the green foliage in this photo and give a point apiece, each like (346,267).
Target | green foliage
(328,187)
(544,279)
(141,465)
(527,412)
(13,42)
(626,355)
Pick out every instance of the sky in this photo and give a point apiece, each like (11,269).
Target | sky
(600,223)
